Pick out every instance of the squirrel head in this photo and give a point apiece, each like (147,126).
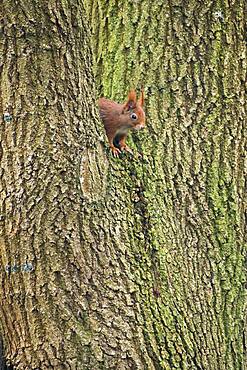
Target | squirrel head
(133,111)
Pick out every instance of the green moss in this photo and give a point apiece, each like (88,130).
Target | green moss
(183,230)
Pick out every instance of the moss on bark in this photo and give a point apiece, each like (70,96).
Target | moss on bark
(138,262)
(186,200)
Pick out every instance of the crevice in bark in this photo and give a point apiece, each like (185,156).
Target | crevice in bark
(3,365)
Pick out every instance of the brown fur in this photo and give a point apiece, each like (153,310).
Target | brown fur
(118,121)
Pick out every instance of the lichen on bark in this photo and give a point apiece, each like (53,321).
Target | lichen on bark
(138,261)
(187,188)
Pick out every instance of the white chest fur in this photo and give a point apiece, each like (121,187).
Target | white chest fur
(123,131)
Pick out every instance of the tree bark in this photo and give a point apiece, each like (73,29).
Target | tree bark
(48,137)
(136,262)
(186,209)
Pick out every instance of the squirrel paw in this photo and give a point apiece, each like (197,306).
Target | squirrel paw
(115,151)
(126,149)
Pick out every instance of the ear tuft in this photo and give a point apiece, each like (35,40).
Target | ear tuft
(141,99)
(131,102)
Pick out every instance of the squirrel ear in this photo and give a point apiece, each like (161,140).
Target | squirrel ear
(141,99)
(131,102)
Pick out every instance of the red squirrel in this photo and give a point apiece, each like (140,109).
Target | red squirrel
(118,119)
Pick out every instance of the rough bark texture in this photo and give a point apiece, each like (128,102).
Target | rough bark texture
(137,262)
(48,133)
(183,205)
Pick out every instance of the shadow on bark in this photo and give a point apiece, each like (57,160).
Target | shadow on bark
(3,365)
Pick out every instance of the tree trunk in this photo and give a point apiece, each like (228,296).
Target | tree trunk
(48,135)
(185,214)
(137,262)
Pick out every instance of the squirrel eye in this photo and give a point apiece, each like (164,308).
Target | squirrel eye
(133,116)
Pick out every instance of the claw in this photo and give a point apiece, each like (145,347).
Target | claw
(126,149)
(115,152)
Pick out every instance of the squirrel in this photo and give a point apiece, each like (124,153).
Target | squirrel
(118,119)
